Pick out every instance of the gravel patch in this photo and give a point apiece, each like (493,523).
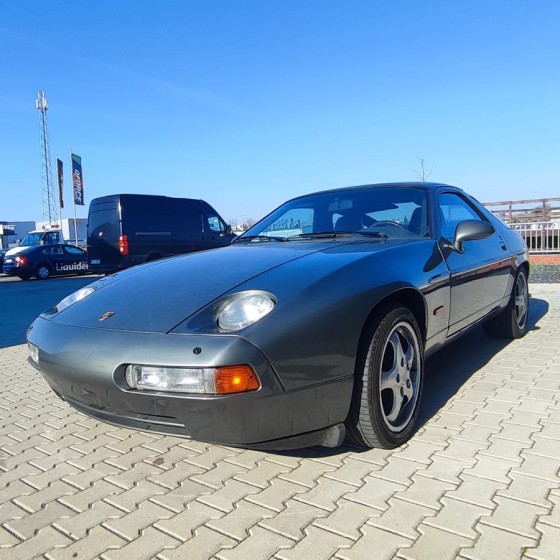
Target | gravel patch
(544,274)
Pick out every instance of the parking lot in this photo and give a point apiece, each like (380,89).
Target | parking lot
(479,480)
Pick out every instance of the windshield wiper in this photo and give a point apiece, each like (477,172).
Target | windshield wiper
(258,238)
(335,234)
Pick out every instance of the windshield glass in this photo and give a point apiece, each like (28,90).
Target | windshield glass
(31,239)
(388,212)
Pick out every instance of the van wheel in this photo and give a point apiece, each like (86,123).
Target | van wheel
(42,272)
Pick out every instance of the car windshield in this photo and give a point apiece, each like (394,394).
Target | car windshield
(31,239)
(374,212)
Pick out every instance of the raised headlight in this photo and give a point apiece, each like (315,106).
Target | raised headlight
(74,298)
(244,310)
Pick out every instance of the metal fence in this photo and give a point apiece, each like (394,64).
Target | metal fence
(540,237)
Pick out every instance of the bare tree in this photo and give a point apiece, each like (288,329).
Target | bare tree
(422,174)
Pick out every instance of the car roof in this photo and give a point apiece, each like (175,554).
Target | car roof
(416,184)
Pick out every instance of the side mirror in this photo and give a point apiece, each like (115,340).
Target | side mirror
(228,230)
(471,230)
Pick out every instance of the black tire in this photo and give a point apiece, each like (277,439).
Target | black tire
(42,272)
(385,416)
(512,322)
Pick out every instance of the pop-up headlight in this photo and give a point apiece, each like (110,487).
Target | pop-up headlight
(74,298)
(244,310)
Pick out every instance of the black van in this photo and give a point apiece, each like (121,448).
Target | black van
(129,229)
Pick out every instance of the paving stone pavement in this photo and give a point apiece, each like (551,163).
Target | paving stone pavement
(479,480)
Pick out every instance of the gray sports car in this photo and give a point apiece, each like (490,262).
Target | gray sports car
(311,327)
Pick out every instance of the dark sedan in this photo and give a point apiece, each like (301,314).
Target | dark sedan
(311,327)
(43,261)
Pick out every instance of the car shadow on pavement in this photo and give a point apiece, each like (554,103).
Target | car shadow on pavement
(445,373)
(448,370)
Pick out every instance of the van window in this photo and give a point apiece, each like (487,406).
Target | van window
(215,224)
(104,225)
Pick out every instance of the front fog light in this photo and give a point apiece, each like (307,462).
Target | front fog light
(33,353)
(209,381)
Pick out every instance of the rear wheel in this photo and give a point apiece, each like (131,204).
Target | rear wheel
(389,379)
(42,272)
(512,321)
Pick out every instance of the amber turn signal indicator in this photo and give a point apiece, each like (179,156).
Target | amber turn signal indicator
(236,379)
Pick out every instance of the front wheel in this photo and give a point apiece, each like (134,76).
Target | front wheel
(512,321)
(389,380)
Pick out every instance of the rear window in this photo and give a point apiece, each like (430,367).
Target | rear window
(104,224)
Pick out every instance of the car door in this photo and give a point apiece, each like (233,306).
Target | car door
(74,259)
(479,275)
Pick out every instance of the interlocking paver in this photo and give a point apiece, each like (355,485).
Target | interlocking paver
(352,472)
(29,525)
(130,526)
(480,479)
(426,491)
(548,544)
(316,544)
(293,519)
(78,525)
(525,488)
(514,516)
(496,543)
(183,525)
(276,495)
(346,519)
(150,543)
(435,544)
(37,500)
(401,518)
(225,498)
(205,544)
(478,491)
(374,543)
(96,542)
(375,492)
(458,517)
(262,545)
(217,476)
(237,523)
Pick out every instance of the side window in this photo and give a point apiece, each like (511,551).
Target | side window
(454,209)
(215,224)
(53,250)
(51,238)
(73,250)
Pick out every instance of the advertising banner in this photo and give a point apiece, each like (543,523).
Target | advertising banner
(60,173)
(77,180)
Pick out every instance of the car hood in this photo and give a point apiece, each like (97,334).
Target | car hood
(157,296)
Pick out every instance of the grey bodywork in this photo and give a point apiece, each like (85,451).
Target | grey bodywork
(304,352)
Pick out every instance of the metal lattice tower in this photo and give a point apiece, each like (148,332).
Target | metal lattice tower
(50,207)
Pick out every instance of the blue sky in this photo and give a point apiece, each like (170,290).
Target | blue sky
(248,103)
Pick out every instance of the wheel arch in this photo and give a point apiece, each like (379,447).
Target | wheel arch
(407,296)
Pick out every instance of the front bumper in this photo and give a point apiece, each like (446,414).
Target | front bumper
(86,366)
